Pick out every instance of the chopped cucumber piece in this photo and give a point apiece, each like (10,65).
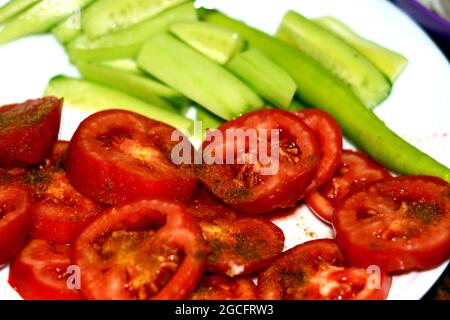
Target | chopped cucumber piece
(69,29)
(387,61)
(14,7)
(297,105)
(126,43)
(218,43)
(197,77)
(91,97)
(204,120)
(107,16)
(40,18)
(268,79)
(127,65)
(368,83)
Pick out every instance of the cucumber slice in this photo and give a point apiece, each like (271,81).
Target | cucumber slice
(387,61)
(265,77)
(126,43)
(91,97)
(297,105)
(69,29)
(366,81)
(197,77)
(137,85)
(107,16)
(14,7)
(127,65)
(40,18)
(218,43)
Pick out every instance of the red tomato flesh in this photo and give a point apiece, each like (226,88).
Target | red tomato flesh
(214,287)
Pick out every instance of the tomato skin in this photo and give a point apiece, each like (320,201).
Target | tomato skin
(36,271)
(399,224)
(111,176)
(317,270)
(329,135)
(105,279)
(214,287)
(28,131)
(355,170)
(299,158)
(15,219)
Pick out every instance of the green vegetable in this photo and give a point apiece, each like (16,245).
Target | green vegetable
(264,76)
(204,120)
(321,89)
(218,43)
(91,97)
(389,62)
(197,77)
(14,7)
(107,16)
(297,105)
(40,18)
(69,29)
(126,43)
(127,65)
(368,83)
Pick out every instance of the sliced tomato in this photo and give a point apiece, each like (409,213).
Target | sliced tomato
(15,217)
(399,224)
(60,212)
(118,156)
(249,184)
(317,270)
(149,249)
(240,245)
(329,135)
(214,287)
(355,170)
(28,131)
(41,272)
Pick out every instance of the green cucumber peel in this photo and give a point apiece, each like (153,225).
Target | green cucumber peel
(14,7)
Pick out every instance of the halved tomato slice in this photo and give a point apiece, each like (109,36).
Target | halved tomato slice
(317,270)
(355,170)
(399,224)
(214,287)
(41,272)
(256,180)
(28,131)
(149,249)
(117,156)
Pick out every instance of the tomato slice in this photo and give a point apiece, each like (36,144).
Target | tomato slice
(214,287)
(329,135)
(60,212)
(317,270)
(41,272)
(355,170)
(15,217)
(240,245)
(28,131)
(399,224)
(118,156)
(149,249)
(244,186)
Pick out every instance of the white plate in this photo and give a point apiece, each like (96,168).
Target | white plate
(418,109)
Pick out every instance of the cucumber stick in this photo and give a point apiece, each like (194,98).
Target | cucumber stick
(40,18)
(387,61)
(127,65)
(197,77)
(126,43)
(91,97)
(263,75)
(107,16)
(68,29)
(136,85)
(204,120)
(319,88)
(368,83)
(218,43)
(14,7)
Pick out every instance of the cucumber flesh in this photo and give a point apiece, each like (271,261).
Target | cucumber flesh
(107,16)
(264,76)
(218,43)
(197,77)
(40,18)
(126,43)
(366,81)
(387,61)
(14,7)
(69,29)
(91,97)
(127,65)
